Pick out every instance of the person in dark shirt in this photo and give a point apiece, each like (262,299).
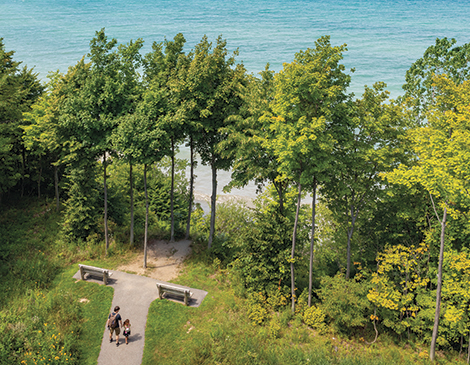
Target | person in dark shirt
(114,329)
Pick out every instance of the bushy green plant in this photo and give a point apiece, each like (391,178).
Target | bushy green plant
(274,327)
(315,318)
(301,303)
(82,216)
(277,299)
(261,253)
(257,311)
(344,302)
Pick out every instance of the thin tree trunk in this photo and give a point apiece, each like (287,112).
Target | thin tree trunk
(131,193)
(354,214)
(294,237)
(468,351)
(191,184)
(172,191)
(105,205)
(213,204)
(435,329)
(312,241)
(56,186)
(146,216)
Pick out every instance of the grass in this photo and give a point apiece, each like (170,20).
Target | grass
(45,314)
(220,332)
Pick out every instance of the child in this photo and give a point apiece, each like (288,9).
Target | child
(127,330)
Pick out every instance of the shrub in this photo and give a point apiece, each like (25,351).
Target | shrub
(276,299)
(344,302)
(315,318)
(257,311)
(274,327)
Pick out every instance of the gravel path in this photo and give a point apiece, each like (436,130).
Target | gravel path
(133,294)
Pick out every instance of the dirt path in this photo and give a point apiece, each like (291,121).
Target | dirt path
(164,260)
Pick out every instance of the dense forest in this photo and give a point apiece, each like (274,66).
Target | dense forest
(383,248)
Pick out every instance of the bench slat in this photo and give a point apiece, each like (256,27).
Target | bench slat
(182,292)
(94,271)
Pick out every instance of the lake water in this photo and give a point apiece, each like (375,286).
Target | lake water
(384,37)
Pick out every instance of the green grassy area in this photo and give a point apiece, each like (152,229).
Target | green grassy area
(221,332)
(46,317)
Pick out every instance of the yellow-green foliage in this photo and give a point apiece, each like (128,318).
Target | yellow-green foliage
(398,280)
(257,311)
(277,300)
(274,327)
(315,318)
(455,297)
(302,303)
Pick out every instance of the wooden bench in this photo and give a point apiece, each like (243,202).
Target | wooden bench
(174,290)
(94,271)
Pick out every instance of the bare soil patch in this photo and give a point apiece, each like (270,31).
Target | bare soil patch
(164,260)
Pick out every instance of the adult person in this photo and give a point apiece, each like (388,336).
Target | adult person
(113,324)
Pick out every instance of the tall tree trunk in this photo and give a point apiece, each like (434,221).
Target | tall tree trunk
(105,205)
(294,237)
(312,241)
(213,203)
(191,185)
(348,255)
(131,193)
(172,191)
(39,181)
(350,231)
(146,216)
(432,352)
(56,186)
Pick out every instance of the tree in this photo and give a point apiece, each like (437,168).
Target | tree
(41,130)
(214,82)
(19,88)
(161,68)
(130,63)
(442,58)
(245,144)
(139,138)
(441,165)
(420,95)
(374,146)
(93,111)
(310,110)
(188,116)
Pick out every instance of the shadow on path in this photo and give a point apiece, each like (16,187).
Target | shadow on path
(133,294)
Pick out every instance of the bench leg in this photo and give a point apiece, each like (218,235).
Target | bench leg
(82,273)
(159,292)
(186,295)
(105,278)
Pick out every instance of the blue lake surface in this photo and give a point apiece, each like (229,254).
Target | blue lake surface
(384,37)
